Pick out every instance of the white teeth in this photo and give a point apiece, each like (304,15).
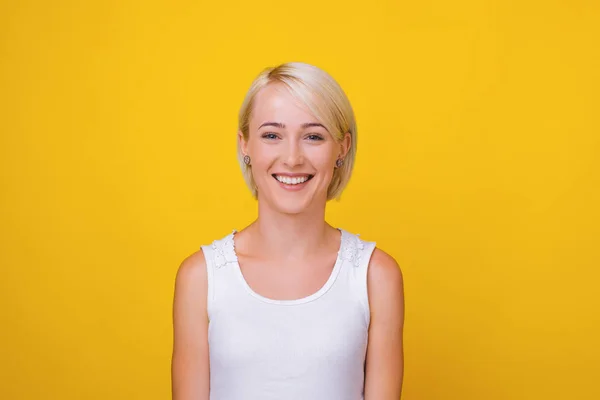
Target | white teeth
(291,180)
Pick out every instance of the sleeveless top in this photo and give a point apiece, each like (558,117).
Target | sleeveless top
(309,348)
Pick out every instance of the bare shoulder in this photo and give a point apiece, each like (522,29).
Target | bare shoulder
(385,357)
(189,302)
(190,360)
(192,268)
(384,272)
(385,285)
(191,282)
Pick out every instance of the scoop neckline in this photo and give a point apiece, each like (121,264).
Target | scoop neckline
(324,289)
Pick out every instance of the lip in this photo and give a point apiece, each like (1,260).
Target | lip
(296,187)
(291,175)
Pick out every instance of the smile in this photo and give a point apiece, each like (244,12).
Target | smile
(292,180)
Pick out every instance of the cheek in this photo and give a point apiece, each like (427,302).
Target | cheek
(262,156)
(322,160)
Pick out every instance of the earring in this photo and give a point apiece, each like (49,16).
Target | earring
(339,162)
(247,159)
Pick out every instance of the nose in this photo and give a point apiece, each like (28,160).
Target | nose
(294,154)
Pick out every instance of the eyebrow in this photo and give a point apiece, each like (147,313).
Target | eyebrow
(304,126)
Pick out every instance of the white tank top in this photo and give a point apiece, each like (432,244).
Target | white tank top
(310,348)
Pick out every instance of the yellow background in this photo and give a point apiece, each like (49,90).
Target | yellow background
(478,169)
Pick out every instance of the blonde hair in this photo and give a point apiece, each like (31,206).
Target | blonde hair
(323,97)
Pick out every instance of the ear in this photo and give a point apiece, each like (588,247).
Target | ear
(243,143)
(345,144)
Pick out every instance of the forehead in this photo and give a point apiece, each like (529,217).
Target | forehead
(275,103)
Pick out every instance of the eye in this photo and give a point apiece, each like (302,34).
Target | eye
(315,137)
(269,136)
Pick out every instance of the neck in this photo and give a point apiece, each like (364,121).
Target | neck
(291,235)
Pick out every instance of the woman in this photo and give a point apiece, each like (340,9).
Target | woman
(290,307)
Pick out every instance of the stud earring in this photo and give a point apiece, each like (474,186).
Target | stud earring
(339,162)
(247,159)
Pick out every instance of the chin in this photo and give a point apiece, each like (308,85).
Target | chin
(290,203)
(291,209)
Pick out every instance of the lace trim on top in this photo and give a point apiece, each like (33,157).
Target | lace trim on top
(352,247)
(224,249)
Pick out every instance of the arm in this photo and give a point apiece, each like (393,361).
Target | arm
(385,355)
(190,362)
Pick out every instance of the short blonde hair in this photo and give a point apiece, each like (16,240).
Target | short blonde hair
(323,97)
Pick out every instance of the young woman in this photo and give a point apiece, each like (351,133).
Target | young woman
(290,307)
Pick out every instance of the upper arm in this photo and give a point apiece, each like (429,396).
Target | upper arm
(385,355)
(190,362)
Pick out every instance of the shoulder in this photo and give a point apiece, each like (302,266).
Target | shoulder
(384,278)
(192,266)
(383,266)
(191,277)
(190,326)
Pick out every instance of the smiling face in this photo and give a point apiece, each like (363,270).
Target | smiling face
(293,154)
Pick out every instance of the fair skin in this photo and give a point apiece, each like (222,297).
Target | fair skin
(289,235)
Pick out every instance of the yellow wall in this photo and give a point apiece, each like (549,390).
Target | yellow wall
(478,169)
